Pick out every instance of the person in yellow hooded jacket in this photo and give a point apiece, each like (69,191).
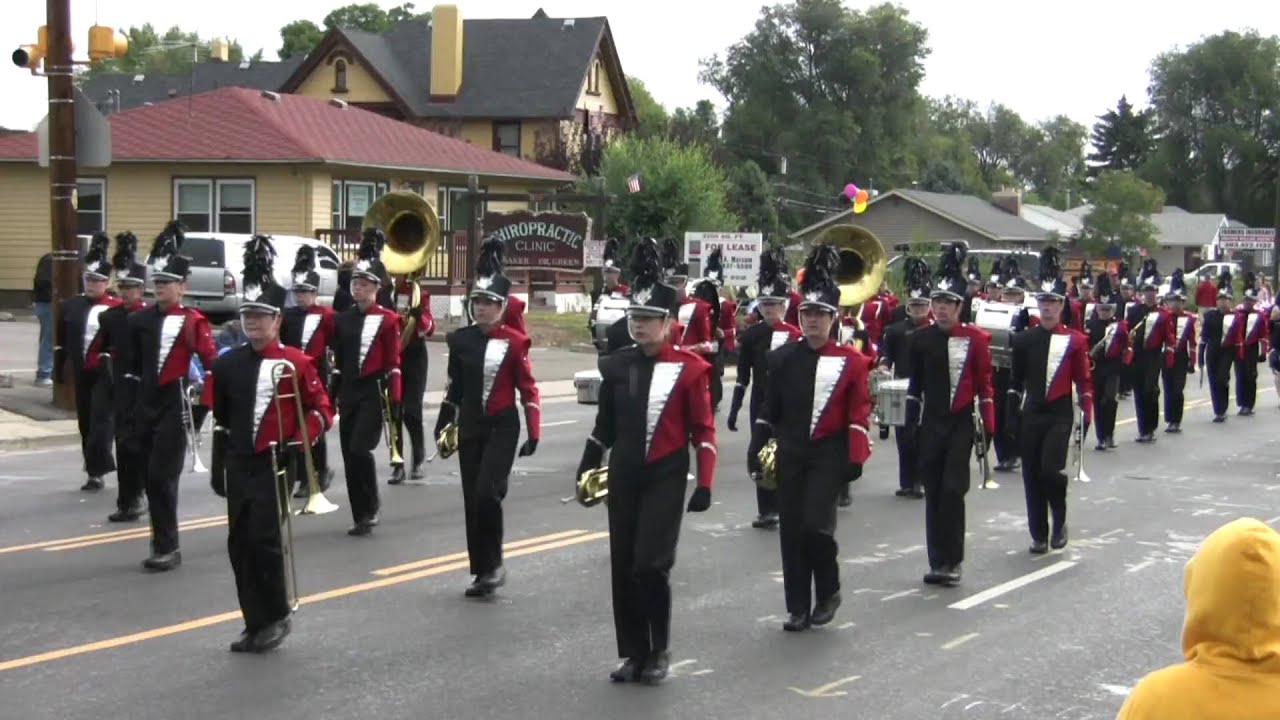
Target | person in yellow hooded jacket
(1230,637)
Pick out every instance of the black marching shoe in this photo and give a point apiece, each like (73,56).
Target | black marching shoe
(93,484)
(1038,547)
(397,474)
(493,579)
(1174,428)
(244,643)
(629,671)
(1219,418)
(1100,446)
(950,576)
(1244,412)
(917,492)
(1111,443)
(129,514)
(933,577)
(902,492)
(657,668)
(363,526)
(846,498)
(270,637)
(161,562)
(476,589)
(417,473)
(1147,438)
(766,521)
(796,623)
(825,611)
(1059,538)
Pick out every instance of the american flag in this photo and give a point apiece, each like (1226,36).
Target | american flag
(633,183)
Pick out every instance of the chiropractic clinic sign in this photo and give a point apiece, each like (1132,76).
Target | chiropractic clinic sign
(539,241)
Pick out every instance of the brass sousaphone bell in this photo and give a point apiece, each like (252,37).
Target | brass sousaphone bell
(863,262)
(412,229)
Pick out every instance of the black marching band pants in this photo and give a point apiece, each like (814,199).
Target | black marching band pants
(716,381)
(945,447)
(1006,437)
(131,464)
(359,431)
(1175,383)
(1106,400)
(1247,377)
(1147,365)
(162,447)
(1218,366)
(809,482)
(319,447)
(254,539)
(766,499)
(95,414)
(646,505)
(485,455)
(413,375)
(908,439)
(1046,435)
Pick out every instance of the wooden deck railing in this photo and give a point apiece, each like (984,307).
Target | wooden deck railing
(449,256)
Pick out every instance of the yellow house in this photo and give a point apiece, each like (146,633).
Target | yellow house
(550,90)
(247,161)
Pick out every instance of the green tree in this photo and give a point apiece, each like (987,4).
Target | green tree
(1214,106)
(696,126)
(301,36)
(681,189)
(650,114)
(1121,139)
(170,53)
(1002,142)
(752,199)
(1053,165)
(1121,215)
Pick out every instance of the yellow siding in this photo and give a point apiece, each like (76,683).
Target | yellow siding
(603,102)
(478,133)
(24,223)
(321,201)
(361,85)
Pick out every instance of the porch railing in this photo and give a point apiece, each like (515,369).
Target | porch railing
(447,263)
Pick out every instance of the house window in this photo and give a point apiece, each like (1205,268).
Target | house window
(593,82)
(506,138)
(451,204)
(91,206)
(340,76)
(350,200)
(214,205)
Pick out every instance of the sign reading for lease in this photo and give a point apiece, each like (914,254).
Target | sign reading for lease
(1238,238)
(539,241)
(740,253)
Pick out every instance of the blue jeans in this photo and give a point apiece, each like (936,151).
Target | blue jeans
(44,356)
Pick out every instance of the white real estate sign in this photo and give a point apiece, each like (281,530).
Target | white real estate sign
(1238,238)
(740,253)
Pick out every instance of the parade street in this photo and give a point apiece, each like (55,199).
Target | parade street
(384,630)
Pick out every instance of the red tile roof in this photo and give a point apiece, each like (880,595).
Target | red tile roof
(242,125)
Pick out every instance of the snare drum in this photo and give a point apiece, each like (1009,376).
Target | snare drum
(891,402)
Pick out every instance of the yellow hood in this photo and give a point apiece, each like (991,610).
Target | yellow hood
(1233,599)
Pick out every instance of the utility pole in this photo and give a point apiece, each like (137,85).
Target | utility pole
(62,176)
(1275,226)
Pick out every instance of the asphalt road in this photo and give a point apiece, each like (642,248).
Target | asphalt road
(385,632)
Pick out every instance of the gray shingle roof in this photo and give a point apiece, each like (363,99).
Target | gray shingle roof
(510,68)
(154,88)
(977,213)
(1184,229)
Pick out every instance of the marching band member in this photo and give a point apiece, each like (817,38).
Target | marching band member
(1251,350)
(309,326)
(876,314)
(80,337)
(1005,441)
(817,407)
(488,365)
(707,290)
(1152,340)
(249,409)
(756,343)
(1108,340)
(692,326)
(1183,326)
(164,338)
(611,274)
(1047,360)
(895,359)
(1128,300)
(1218,347)
(130,465)
(950,377)
(654,404)
(366,351)
(1083,310)
(413,367)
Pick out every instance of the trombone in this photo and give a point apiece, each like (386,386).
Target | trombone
(981,450)
(189,424)
(390,428)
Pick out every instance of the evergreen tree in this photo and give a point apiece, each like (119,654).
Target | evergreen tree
(1121,139)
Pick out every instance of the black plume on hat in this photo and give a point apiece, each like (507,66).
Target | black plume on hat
(1149,278)
(1224,284)
(648,295)
(1009,271)
(1051,282)
(1103,292)
(96,261)
(1086,275)
(1249,280)
(974,273)
(611,254)
(671,263)
(165,262)
(997,270)
(819,287)
(368,263)
(771,280)
(490,282)
(261,292)
(1177,284)
(917,275)
(304,272)
(125,260)
(949,281)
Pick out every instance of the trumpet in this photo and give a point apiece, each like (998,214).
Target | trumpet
(768,465)
(390,428)
(980,449)
(188,422)
(446,442)
(593,487)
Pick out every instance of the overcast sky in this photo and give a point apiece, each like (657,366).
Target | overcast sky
(1065,57)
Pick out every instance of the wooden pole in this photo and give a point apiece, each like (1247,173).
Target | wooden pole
(62,177)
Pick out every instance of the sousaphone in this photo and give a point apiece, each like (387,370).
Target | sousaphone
(863,262)
(412,229)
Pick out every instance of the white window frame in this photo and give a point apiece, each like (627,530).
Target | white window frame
(213,188)
(338,215)
(102,186)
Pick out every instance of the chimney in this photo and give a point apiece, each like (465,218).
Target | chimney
(219,50)
(446,52)
(1008,200)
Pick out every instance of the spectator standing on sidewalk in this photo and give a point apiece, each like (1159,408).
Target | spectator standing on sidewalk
(42,303)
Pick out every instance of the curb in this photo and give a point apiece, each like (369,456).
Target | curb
(38,443)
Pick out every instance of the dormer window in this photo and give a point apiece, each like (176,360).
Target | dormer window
(340,76)
(593,80)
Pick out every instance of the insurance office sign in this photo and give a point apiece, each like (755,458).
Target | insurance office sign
(540,241)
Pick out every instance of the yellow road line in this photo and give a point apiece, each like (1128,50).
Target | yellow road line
(429,562)
(136,535)
(209,620)
(123,534)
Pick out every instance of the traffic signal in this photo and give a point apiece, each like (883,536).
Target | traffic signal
(106,43)
(31,56)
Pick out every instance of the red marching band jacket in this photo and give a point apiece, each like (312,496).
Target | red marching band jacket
(94,339)
(425,327)
(729,325)
(971,380)
(317,331)
(380,348)
(875,315)
(696,333)
(512,314)
(506,371)
(1072,367)
(1184,337)
(184,333)
(1253,331)
(683,376)
(792,316)
(1115,341)
(1160,334)
(1077,315)
(841,390)
(266,417)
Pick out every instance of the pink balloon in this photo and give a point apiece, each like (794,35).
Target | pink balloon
(851,191)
